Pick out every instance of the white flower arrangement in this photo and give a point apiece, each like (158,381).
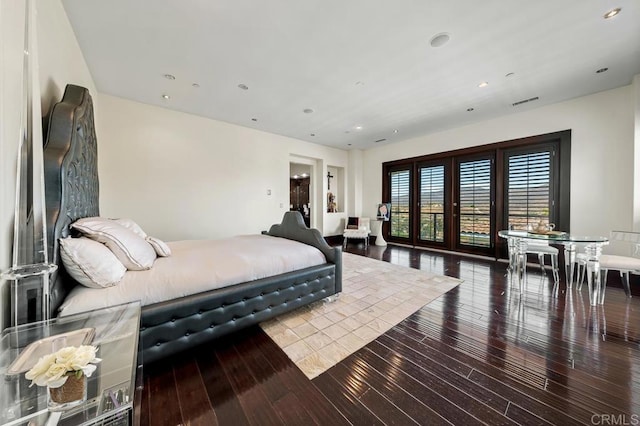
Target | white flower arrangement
(53,370)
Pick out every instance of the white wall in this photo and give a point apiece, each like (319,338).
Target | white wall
(602,164)
(183,177)
(60,62)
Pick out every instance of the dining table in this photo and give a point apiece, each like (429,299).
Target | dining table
(518,241)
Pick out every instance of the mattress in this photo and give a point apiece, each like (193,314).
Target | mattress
(197,266)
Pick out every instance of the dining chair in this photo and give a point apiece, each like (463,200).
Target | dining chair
(539,249)
(625,265)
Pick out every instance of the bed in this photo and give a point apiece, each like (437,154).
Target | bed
(181,322)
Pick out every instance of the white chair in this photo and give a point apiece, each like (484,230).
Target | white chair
(356,228)
(626,265)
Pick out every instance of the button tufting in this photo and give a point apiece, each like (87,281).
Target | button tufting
(186,334)
(158,344)
(253,313)
(261,294)
(173,320)
(200,312)
(211,326)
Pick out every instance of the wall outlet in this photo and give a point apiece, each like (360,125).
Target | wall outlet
(268,192)
(281,205)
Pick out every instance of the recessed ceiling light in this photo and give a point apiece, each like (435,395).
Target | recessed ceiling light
(304,175)
(347,131)
(349,144)
(169,77)
(296,176)
(307,110)
(601,70)
(312,134)
(612,13)
(358,127)
(254,119)
(166,97)
(195,85)
(359,83)
(483,84)
(439,40)
(510,74)
(469,109)
(395,130)
(243,86)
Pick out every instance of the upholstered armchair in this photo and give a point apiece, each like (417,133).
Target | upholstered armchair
(356,228)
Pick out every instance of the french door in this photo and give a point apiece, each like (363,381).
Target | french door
(474,204)
(458,200)
(432,204)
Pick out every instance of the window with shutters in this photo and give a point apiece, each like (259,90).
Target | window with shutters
(400,203)
(529,186)
(475,202)
(432,196)
(458,200)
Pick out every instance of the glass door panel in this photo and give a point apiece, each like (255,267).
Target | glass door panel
(400,182)
(475,204)
(529,189)
(432,204)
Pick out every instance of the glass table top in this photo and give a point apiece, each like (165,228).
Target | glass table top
(111,388)
(554,236)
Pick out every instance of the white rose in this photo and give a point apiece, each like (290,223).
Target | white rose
(37,374)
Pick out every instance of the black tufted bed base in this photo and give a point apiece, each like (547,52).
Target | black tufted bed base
(71,193)
(168,328)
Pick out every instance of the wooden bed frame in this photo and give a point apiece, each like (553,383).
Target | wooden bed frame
(71,187)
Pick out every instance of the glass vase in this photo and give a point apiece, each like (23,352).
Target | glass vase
(73,392)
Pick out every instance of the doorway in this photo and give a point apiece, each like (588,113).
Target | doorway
(299,190)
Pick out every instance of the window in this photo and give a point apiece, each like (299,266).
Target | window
(529,188)
(432,191)
(475,204)
(400,202)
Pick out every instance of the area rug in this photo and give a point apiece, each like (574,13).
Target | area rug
(376,296)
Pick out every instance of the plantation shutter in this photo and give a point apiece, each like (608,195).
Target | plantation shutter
(475,203)
(400,217)
(432,203)
(529,189)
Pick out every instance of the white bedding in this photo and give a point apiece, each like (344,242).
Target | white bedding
(196,266)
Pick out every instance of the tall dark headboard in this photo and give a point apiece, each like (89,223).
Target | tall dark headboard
(71,177)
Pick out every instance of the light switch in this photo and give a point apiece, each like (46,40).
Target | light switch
(268,192)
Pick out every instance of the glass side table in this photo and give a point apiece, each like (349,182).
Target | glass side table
(111,389)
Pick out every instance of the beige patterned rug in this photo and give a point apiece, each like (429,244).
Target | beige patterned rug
(376,296)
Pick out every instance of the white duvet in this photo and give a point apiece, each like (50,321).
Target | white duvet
(196,266)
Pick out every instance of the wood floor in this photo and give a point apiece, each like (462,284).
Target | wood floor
(481,354)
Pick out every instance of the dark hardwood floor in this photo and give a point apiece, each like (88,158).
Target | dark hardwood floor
(480,354)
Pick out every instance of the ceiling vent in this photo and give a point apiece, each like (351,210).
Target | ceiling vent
(525,101)
(379,140)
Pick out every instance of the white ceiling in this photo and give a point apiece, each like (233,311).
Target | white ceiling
(365,63)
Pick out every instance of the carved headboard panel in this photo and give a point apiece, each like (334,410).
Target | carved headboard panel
(71,177)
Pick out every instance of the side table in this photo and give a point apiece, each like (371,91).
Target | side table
(111,390)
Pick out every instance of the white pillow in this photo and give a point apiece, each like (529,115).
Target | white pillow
(132,250)
(161,248)
(132,226)
(91,263)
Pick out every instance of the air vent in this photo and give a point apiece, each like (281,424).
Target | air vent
(525,101)
(379,140)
